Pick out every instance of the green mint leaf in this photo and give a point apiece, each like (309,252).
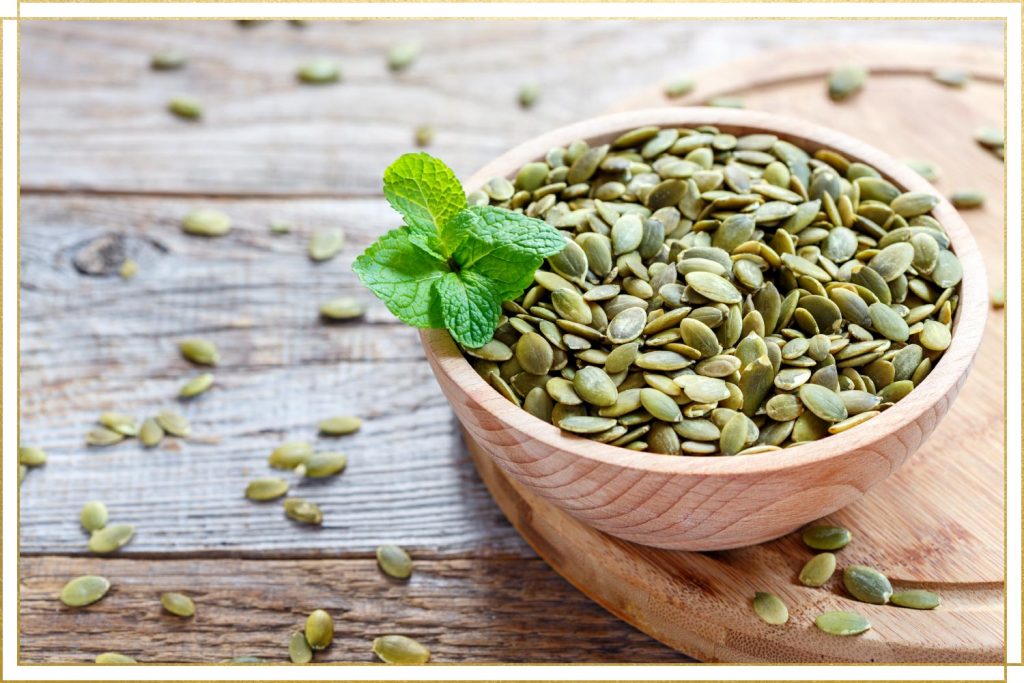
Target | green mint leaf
(402,275)
(470,306)
(424,191)
(510,272)
(493,226)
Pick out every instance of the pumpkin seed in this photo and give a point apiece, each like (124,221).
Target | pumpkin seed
(93,515)
(394,649)
(319,465)
(196,385)
(185,107)
(326,244)
(303,511)
(101,436)
(826,537)
(953,77)
(206,222)
(319,629)
(423,135)
(529,93)
(319,71)
(679,87)
(845,81)
(818,570)
(998,297)
(150,433)
(84,590)
(594,386)
(110,538)
(967,199)
(173,423)
(990,136)
(401,56)
(659,405)
(394,561)
(199,351)
(867,584)
(299,650)
(342,308)
(340,425)
(926,169)
(114,658)
(31,456)
(266,488)
(842,623)
(119,422)
(770,608)
(178,604)
(935,336)
(915,599)
(290,455)
(168,60)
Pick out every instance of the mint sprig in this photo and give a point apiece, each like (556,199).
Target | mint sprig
(451,265)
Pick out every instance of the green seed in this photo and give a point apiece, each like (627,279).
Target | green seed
(326,244)
(280,227)
(206,222)
(714,287)
(967,199)
(168,60)
(951,76)
(151,433)
(423,135)
(594,386)
(84,590)
(101,436)
(319,629)
(93,515)
(846,81)
(31,456)
(319,465)
(196,385)
(915,599)
(177,604)
(199,351)
(911,204)
(394,561)
(298,649)
(659,405)
(866,584)
(818,570)
(585,424)
(998,297)
(114,658)
(990,136)
(303,511)
(842,623)
(340,425)
(266,488)
(770,608)
(394,649)
(319,71)
(185,107)
(290,455)
(342,308)
(173,423)
(401,56)
(110,538)
(128,269)
(726,101)
(679,87)
(826,537)
(935,336)
(823,402)
(528,95)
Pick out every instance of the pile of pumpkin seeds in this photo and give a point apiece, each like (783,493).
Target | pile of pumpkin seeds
(719,294)
(862,583)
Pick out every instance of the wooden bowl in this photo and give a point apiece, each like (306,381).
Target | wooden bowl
(713,503)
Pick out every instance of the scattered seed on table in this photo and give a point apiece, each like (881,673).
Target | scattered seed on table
(325,464)
(340,425)
(128,269)
(151,433)
(31,456)
(770,608)
(266,488)
(303,511)
(846,81)
(401,56)
(529,93)
(206,223)
(822,537)
(319,71)
(818,570)
(967,199)
(394,561)
(679,87)
(186,107)
(299,650)
(111,538)
(279,227)
(915,599)
(114,658)
(199,351)
(178,604)
(866,584)
(319,629)
(326,244)
(395,649)
(423,135)
(168,60)
(84,590)
(342,308)
(93,515)
(842,623)
(954,77)
(196,385)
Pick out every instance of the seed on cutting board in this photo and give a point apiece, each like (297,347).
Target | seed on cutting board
(119,422)
(84,590)
(199,351)
(173,423)
(299,650)
(952,76)
(818,570)
(402,55)
(679,87)
(185,107)
(326,244)
(967,199)
(93,515)
(128,269)
(101,436)
(770,608)
(319,71)
(342,308)
(319,629)
(926,169)
(325,464)
(196,385)
(915,599)
(842,623)
(177,604)
(290,455)
(111,538)
(280,227)
(31,456)
(394,649)
(990,136)
(822,537)
(846,81)
(394,561)
(168,60)
(423,135)
(867,584)
(529,93)
(114,658)
(206,222)
(340,425)
(303,511)
(150,433)
(266,488)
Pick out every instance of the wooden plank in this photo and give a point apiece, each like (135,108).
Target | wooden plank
(101,343)
(94,114)
(464,610)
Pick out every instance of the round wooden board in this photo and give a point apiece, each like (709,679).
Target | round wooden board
(939,522)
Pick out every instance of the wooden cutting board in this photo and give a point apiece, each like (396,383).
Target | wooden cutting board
(939,522)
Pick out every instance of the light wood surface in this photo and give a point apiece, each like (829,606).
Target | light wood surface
(937,523)
(101,157)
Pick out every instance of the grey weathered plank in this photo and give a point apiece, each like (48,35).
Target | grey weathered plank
(464,610)
(94,118)
(94,343)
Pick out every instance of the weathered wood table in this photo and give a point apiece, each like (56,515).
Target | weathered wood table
(107,174)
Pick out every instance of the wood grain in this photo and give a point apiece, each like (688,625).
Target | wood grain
(937,523)
(464,610)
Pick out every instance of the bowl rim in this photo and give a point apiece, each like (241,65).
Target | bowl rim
(950,371)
